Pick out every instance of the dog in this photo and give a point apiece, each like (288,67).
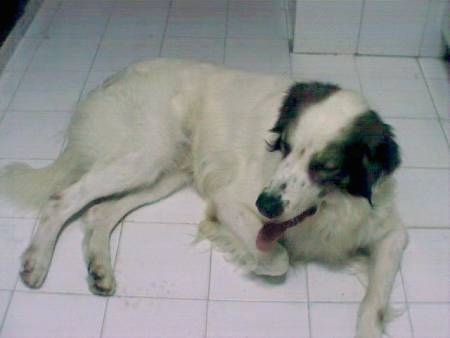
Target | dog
(289,171)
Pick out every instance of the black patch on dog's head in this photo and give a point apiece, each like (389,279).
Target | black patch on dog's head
(300,96)
(367,152)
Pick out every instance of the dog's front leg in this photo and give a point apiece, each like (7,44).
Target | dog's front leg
(385,259)
(239,226)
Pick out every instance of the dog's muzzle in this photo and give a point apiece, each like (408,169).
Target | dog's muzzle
(269,205)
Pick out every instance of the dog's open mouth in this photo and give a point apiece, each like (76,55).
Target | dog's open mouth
(271,231)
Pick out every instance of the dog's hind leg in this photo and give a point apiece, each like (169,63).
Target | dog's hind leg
(126,173)
(102,218)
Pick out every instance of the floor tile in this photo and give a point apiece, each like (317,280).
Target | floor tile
(26,135)
(185,206)
(50,101)
(84,8)
(42,91)
(38,28)
(53,316)
(333,285)
(267,56)
(76,27)
(414,188)
(47,81)
(198,22)
(430,320)
(68,273)
(117,54)
(4,302)
(199,4)
(159,260)
(260,4)
(338,69)
(132,4)
(204,49)
(9,209)
(138,317)
(251,319)
(446,125)
(398,97)
(65,54)
(9,81)
(343,285)
(386,27)
(23,54)
(434,68)
(425,266)
(440,93)
(336,26)
(230,283)
(137,19)
(388,67)
(416,138)
(249,22)
(49,7)
(14,237)
(338,320)
(306,64)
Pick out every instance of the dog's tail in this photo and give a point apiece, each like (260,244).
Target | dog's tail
(30,187)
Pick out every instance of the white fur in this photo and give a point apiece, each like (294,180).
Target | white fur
(159,125)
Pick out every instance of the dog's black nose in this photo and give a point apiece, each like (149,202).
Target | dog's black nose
(269,205)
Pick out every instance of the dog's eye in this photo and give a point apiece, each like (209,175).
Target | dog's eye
(324,171)
(329,166)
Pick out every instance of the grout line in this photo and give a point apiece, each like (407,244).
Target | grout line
(424,28)
(424,79)
(61,293)
(22,76)
(308,300)
(3,320)
(120,225)
(166,27)
(436,111)
(225,38)
(406,302)
(95,56)
(358,74)
(361,20)
(209,291)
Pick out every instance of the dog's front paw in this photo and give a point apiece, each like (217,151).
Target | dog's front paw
(370,322)
(369,333)
(273,263)
(34,267)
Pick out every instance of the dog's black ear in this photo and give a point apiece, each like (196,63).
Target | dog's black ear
(370,153)
(299,96)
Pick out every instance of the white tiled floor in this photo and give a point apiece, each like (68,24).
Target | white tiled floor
(166,287)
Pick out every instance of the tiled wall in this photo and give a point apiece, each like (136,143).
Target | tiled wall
(375,27)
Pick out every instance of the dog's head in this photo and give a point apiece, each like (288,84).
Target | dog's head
(330,141)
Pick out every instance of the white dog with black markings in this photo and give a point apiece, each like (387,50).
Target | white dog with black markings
(288,170)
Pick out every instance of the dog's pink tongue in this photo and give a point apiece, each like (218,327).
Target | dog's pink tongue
(269,234)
